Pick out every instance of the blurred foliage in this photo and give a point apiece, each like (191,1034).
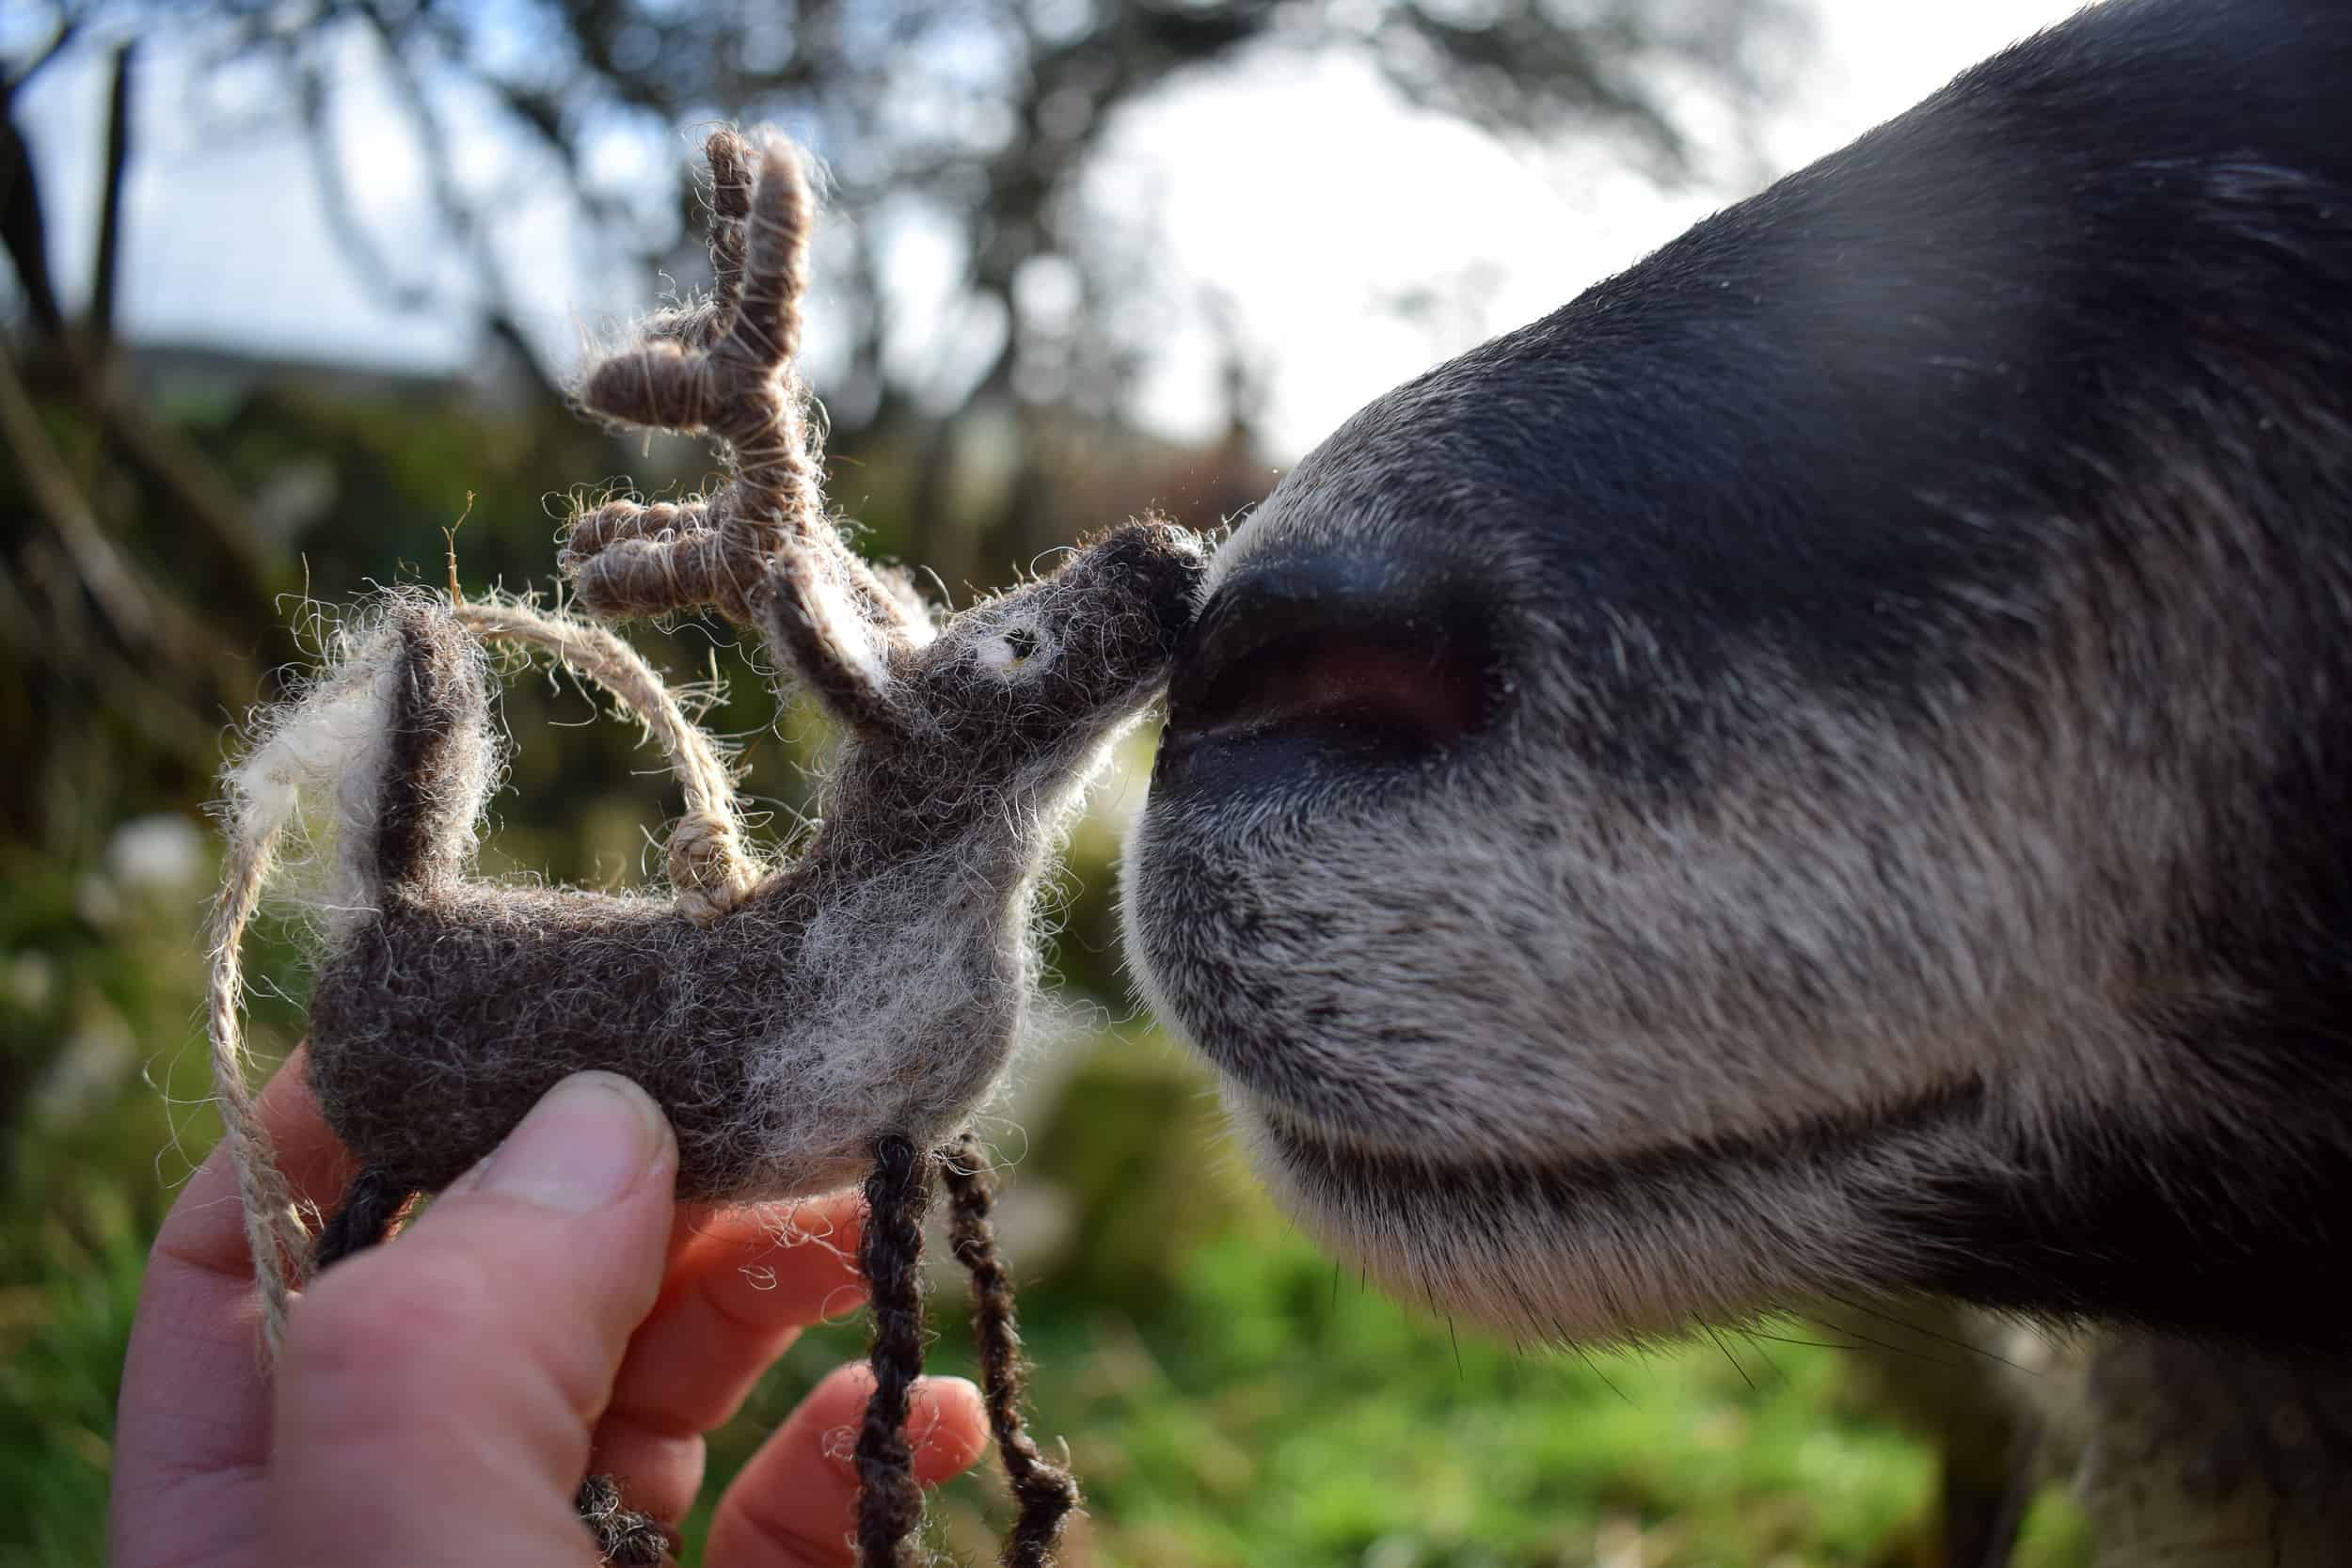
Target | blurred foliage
(161,506)
(977,118)
(1230,1396)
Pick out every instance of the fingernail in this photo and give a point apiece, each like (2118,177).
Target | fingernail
(581,1147)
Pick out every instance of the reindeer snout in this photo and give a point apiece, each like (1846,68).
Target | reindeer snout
(1161,564)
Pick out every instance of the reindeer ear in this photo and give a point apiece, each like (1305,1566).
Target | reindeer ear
(844,656)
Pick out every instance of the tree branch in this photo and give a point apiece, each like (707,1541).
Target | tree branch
(143,617)
(105,271)
(25,231)
(68,26)
(198,490)
(342,220)
(101,569)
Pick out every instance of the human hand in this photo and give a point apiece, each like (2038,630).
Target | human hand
(551,1314)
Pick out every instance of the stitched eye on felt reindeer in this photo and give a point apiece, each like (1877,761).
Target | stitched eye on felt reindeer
(1010,650)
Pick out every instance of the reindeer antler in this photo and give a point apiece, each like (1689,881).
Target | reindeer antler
(722,365)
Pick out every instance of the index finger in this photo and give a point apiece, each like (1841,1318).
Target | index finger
(735,1298)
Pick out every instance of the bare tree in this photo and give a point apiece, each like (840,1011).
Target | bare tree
(983,113)
(981,119)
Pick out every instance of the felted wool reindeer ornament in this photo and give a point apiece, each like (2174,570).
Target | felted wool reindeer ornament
(804,1024)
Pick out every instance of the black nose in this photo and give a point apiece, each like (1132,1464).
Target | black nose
(1331,659)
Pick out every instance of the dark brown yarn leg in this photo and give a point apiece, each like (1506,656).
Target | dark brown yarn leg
(890,1502)
(1045,1492)
(370,1204)
(624,1538)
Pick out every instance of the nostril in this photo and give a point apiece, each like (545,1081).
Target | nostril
(1360,694)
(1289,660)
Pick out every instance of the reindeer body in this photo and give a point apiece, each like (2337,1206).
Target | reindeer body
(883,966)
(865,986)
(877,983)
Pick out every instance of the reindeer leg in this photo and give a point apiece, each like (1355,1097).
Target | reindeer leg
(370,1204)
(624,1538)
(890,1252)
(1045,1491)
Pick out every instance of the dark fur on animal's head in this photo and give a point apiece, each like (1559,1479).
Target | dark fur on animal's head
(1818,767)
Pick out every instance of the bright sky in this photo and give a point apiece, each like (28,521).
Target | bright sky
(1308,198)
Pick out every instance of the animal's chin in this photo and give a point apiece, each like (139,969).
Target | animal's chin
(1419,1231)
(1601,1249)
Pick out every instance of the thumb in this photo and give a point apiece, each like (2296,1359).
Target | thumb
(435,1396)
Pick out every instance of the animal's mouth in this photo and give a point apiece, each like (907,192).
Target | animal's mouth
(1338,1164)
(1584,1249)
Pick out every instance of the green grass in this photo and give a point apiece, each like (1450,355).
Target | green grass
(1269,1410)
(1229,1395)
